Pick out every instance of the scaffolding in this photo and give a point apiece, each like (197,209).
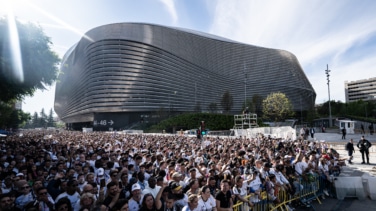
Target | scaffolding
(244,121)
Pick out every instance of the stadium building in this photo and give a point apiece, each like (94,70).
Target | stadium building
(120,74)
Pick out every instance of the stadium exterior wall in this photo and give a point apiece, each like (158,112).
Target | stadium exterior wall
(132,69)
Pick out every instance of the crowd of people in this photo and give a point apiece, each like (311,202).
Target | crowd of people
(67,170)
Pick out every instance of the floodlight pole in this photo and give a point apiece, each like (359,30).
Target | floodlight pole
(327,71)
(245,87)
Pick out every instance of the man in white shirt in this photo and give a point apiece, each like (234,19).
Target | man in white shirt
(152,187)
(71,193)
(135,202)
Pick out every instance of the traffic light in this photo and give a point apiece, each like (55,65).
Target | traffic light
(202,127)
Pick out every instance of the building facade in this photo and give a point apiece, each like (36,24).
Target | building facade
(364,89)
(122,73)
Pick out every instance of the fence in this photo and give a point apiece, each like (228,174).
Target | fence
(306,191)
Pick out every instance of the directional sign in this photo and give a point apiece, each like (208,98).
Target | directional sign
(103,122)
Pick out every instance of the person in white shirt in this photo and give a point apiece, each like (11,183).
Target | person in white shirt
(135,201)
(300,165)
(240,192)
(26,195)
(206,201)
(254,184)
(152,187)
(71,193)
(281,180)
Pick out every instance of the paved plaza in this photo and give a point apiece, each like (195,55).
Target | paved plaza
(349,203)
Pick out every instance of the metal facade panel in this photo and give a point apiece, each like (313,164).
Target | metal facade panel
(133,67)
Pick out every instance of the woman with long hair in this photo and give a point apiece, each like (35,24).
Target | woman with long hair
(148,203)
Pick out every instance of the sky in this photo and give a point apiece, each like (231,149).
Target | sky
(337,33)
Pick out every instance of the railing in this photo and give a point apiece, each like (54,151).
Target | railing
(306,191)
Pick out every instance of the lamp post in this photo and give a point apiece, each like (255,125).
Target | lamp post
(245,86)
(327,71)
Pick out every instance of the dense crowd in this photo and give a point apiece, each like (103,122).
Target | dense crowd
(66,170)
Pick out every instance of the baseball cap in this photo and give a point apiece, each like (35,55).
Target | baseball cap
(287,157)
(100,172)
(136,187)
(176,174)
(326,157)
(175,186)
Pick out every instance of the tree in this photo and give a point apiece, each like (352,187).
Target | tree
(247,103)
(11,117)
(50,119)
(42,118)
(197,108)
(35,120)
(213,107)
(39,62)
(277,107)
(257,104)
(227,101)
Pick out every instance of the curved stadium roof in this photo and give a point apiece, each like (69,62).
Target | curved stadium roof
(137,67)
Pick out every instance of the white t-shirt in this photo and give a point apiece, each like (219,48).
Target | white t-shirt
(154,191)
(207,205)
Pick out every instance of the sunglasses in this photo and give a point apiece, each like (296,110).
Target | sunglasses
(26,187)
(43,193)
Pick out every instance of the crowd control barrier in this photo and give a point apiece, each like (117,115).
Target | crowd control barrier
(307,190)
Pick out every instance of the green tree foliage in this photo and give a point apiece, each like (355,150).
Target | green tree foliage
(257,104)
(277,107)
(39,62)
(11,117)
(213,108)
(42,118)
(35,120)
(361,110)
(191,121)
(227,101)
(248,104)
(50,119)
(197,108)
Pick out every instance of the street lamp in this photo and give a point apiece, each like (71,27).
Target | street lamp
(327,71)
(245,86)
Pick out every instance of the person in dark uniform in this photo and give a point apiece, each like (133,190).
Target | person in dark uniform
(364,146)
(350,150)
(343,133)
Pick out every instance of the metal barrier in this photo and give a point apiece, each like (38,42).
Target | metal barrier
(306,191)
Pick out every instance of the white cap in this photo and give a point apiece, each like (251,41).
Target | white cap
(100,172)
(20,175)
(136,187)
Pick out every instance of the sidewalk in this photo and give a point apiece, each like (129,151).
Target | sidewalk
(348,204)
(334,141)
